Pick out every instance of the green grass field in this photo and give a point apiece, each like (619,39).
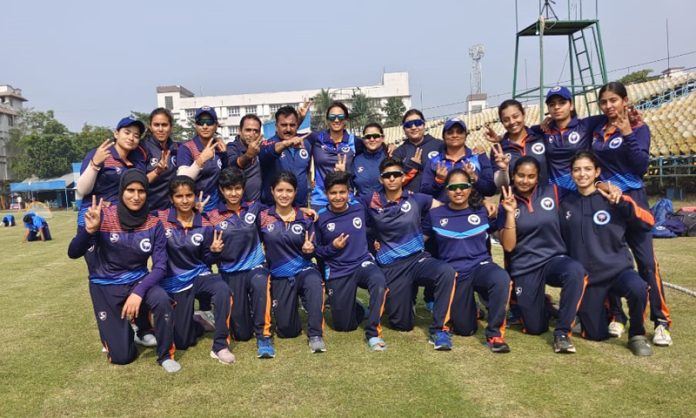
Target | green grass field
(51,363)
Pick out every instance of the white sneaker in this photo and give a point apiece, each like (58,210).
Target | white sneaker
(148,340)
(662,337)
(616,329)
(171,366)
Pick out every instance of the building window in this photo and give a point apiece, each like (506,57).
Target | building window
(233,110)
(190,113)
(169,102)
(250,109)
(275,107)
(234,130)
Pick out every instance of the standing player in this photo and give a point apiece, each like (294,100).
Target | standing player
(395,217)
(242,262)
(459,229)
(161,157)
(594,223)
(117,242)
(287,235)
(342,245)
(365,168)
(417,149)
(243,153)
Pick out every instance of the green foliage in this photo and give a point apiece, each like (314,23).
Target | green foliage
(362,112)
(394,109)
(637,77)
(319,107)
(90,137)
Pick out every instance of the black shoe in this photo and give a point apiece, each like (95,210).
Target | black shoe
(563,344)
(498,345)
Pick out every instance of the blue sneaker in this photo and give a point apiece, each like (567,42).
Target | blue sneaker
(441,340)
(429,306)
(265,348)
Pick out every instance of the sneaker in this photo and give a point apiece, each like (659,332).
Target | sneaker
(206,319)
(563,344)
(264,348)
(147,340)
(441,341)
(316,345)
(224,356)
(430,306)
(662,337)
(616,329)
(171,366)
(377,344)
(498,345)
(514,317)
(638,344)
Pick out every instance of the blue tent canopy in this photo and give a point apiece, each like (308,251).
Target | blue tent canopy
(36,186)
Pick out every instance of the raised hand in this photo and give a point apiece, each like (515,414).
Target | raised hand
(341,163)
(102,152)
(163,162)
(310,212)
(491,136)
(93,215)
(501,159)
(340,241)
(623,124)
(217,245)
(200,205)
(611,193)
(304,108)
(254,147)
(219,144)
(634,116)
(508,199)
(417,157)
(308,246)
(441,171)
(207,153)
(471,171)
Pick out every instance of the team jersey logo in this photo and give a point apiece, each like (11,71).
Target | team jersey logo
(601,217)
(168,232)
(219,163)
(345,149)
(173,160)
(223,225)
(304,154)
(145,245)
(556,88)
(551,138)
(574,137)
(568,215)
(444,221)
(102,315)
(518,290)
(330,226)
(508,155)
(366,263)
(114,237)
(432,154)
(361,169)
(249,218)
(91,249)
(474,219)
(118,170)
(357,222)
(270,227)
(547,203)
(615,143)
(196,239)
(331,292)
(274,304)
(406,207)
(517,213)
(297,229)
(538,148)
(154,161)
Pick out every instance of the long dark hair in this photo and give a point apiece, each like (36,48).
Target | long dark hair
(475,199)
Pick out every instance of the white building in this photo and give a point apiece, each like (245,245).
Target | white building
(10,105)
(230,109)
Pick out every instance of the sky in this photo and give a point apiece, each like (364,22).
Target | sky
(93,62)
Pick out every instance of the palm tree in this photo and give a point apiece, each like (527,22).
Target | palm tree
(320,105)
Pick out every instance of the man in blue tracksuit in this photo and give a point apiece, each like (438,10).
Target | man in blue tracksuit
(394,217)
(243,152)
(342,244)
(242,262)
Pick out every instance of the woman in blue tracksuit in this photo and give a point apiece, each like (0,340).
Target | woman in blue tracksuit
(117,242)
(365,167)
(594,223)
(288,235)
(455,154)
(103,166)
(460,230)
(192,247)
(161,157)
(623,152)
(535,254)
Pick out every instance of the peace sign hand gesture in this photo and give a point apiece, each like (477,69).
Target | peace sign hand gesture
(93,216)
(491,136)
(163,162)
(340,241)
(417,157)
(441,171)
(217,245)
(207,153)
(341,163)
(501,159)
(200,205)
(612,193)
(254,147)
(471,171)
(102,152)
(509,202)
(623,124)
(308,246)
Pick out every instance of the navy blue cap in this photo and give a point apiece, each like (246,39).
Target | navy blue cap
(130,121)
(559,91)
(206,109)
(451,122)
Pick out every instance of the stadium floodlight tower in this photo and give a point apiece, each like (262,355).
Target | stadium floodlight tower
(584,41)
(476,100)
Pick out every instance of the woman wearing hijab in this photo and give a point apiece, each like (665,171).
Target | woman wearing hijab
(117,242)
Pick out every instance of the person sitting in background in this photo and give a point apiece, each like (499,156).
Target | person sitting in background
(8,220)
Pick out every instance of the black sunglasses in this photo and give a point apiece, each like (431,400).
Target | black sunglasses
(390,174)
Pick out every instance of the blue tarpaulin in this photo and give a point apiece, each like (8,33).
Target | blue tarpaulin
(36,186)
(269,127)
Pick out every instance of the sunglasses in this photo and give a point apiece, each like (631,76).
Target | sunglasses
(332,118)
(205,122)
(458,186)
(372,136)
(413,123)
(390,174)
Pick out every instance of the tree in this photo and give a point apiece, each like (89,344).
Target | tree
(394,109)
(90,137)
(362,112)
(320,105)
(637,77)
